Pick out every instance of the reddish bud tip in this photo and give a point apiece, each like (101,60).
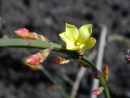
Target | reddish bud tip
(98,91)
(60,60)
(34,60)
(127,58)
(24,33)
(21,31)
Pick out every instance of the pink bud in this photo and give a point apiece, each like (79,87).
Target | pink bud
(98,91)
(24,33)
(127,58)
(34,60)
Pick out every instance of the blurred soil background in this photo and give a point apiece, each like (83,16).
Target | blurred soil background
(48,17)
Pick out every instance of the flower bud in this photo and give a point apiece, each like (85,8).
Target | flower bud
(105,72)
(24,33)
(34,60)
(60,60)
(127,58)
(98,90)
(97,74)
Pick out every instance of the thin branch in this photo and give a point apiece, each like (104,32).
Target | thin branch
(100,56)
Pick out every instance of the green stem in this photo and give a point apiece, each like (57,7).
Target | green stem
(84,59)
(29,44)
(106,90)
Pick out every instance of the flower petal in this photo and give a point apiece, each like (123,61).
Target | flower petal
(71,32)
(64,38)
(84,32)
(90,42)
(69,43)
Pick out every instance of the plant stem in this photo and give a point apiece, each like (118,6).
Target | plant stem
(29,44)
(84,59)
(104,84)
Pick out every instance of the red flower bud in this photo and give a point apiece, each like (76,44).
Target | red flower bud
(34,60)
(127,58)
(98,91)
(24,33)
(60,60)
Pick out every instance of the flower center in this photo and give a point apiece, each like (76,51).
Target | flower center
(77,43)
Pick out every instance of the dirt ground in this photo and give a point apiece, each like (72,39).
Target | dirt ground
(49,18)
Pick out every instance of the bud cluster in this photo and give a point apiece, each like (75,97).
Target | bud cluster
(34,60)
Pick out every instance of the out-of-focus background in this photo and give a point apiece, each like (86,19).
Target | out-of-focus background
(48,17)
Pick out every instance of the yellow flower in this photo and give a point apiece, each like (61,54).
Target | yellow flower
(77,39)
